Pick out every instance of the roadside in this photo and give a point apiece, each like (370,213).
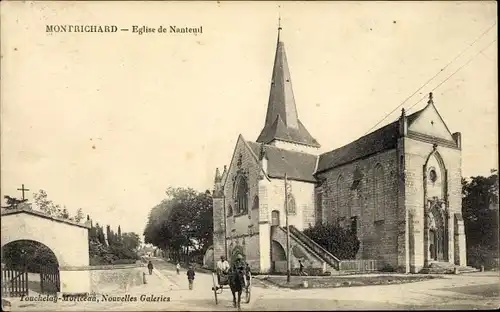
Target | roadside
(298,282)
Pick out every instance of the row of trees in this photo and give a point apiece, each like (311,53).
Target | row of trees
(112,248)
(182,223)
(104,248)
(481,219)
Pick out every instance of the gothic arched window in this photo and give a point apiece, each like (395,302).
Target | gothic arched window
(378,192)
(242,197)
(255,204)
(292,207)
(340,198)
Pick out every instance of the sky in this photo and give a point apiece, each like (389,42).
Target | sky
(106,122)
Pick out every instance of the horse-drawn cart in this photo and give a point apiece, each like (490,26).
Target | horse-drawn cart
(238,282)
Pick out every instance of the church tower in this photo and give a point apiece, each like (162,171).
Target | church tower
(282,127)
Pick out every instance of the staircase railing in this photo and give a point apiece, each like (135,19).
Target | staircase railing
(325,255)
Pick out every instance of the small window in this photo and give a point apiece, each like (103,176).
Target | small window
(275,218)
(292,208)
(354,225)
(255,202)
(433,175)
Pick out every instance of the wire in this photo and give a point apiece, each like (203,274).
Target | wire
(456,71)
(428,81)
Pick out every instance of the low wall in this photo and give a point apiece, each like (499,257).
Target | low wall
(360,265)
(101,278)
(115,278)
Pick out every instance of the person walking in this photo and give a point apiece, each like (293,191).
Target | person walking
(301,268)
(190,274)
(178,268)
(150,267)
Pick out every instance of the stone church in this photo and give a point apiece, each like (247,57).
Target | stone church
(398,188)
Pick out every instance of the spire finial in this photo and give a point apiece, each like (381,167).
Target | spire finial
(279,25)
(431,101)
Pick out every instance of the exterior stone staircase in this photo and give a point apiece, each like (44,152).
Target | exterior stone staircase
(446,268)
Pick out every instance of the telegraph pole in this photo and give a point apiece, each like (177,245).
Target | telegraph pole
(287,232)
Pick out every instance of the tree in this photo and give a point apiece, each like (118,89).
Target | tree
(12,202)
(29,254)
(131,241)
(43,203)
(337,240)
(480,214)
(181,222)
(79,215)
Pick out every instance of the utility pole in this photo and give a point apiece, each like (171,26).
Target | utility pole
(225,222)
(287,232)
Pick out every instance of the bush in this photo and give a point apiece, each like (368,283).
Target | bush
(340,242)
(124,261)
(479,255)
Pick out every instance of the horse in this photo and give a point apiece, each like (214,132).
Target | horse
(236,283)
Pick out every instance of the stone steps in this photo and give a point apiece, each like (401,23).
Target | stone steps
(446,268)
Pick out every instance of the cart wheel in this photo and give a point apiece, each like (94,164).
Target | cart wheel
(214,288)
(248,288)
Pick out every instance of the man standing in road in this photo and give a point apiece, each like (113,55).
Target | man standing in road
(150,267)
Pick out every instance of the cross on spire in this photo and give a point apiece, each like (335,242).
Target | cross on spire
(22,189)
(279,26)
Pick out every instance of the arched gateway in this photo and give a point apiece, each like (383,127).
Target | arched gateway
(68,241)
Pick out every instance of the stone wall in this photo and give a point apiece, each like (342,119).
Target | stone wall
(51,232)
(303,194)
(377,230)
(115,278)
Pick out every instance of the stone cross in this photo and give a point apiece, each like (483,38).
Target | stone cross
(22,189)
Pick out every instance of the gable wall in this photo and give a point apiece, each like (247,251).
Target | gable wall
(435,129)
(243,230)
(416,153)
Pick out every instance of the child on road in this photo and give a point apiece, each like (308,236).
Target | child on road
(190,275)
(178,268)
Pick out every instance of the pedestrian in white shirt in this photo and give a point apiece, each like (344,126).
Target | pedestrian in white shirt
(222,267)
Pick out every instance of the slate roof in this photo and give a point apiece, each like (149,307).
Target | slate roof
(297,165)
(282,122)
(382,139)
(279,131)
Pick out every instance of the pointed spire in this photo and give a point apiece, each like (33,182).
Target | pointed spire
(282,122)
(217,175)
(224,173)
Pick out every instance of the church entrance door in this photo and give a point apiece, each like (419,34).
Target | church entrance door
(432,245)
(436,235)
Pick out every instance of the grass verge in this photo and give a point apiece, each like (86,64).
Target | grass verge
(350,281)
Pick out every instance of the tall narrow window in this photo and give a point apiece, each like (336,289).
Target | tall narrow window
(378,192)
(292,208)
(319,208)
(242,197)
(255,204)
(354,225)
(340,198)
